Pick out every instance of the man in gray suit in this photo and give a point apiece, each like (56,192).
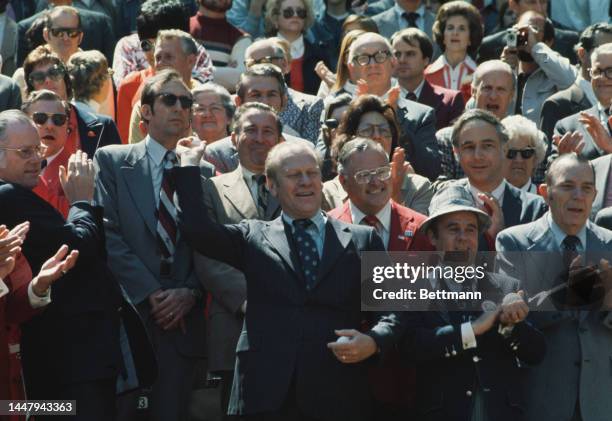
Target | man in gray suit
(573,382)
(400,14)
(8,41)
(231,198)
(153,264)
(10,95)
(603,183)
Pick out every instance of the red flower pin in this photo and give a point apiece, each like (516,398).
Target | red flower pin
(91,133)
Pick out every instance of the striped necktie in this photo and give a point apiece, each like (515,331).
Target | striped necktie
(166,211)
(262,194)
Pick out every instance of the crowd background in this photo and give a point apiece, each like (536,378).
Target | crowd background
(409,105)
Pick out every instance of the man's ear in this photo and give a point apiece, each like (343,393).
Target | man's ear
(234,138)
(543,190)
(46,35)
(80,38)
(146,112)
(237,101)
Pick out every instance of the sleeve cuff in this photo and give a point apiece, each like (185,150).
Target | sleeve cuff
(467,336)
(36,301)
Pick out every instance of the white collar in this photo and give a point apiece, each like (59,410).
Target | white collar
(156,150)
(417,90)
(297,46)
(319,220)
(497,193)
(383,216)
(419,11)
(527,186)
(441,62)
(560,235)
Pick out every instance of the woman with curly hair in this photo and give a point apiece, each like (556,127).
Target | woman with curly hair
(290,20)
(91,79)
(368,116)
(458,32)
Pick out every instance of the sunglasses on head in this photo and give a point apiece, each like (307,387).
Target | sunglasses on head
(146,45)
(55,73)
(289,12)
(70,32)
(169,100)
(42,118)
(525,153)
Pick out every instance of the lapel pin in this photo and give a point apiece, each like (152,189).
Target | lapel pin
(91,133)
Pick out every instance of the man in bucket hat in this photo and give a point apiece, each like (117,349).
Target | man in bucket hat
(483,349)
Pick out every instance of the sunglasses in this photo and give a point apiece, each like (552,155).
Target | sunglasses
(55,73)
(332,123)
(289,12)
(56,119)
(525,153)
(263,60)
(366,176)
(70,32)
(169,100)
(378,57)
(146,45)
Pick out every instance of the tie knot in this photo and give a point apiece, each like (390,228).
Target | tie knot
(170,159)
(259,179)
(571,243)
(411,18)
(302,224)
(411,96)
(370,220)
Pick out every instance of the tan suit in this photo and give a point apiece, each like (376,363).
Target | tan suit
(416,194)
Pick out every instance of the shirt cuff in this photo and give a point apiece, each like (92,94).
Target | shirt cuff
(505,331)
(35,300)
(467,336)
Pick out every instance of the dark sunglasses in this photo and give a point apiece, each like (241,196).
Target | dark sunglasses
(332,123)
(298,11)
(70,32)
(169,100)
(146,45)
(55,73)
(57,119)
(525,153)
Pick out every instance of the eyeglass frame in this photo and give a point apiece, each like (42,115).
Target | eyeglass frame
(263,60)
(388,133)
(50,116)
(77,31)
(371,57)
(179,98)
(607,72)
(370,174)
(47,74)
(35,150)
(295,11)
(515,152)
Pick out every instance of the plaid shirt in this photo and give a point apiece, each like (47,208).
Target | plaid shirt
(449,166)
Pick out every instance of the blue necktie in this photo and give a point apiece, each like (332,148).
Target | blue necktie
(307,250)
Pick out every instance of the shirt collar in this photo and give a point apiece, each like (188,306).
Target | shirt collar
(297,46)
(527,186)
(560,235)
(419,11)
(383,216)
(155,150)
(319,220)
(417,90)
(497,193)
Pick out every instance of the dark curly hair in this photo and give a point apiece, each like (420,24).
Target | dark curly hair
(459,8)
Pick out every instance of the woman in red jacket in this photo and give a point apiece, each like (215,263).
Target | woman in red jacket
(458,32)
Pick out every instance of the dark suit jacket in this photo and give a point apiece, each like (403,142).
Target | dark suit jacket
(288,326)
(571,124)
(604,218)
(8,49)
(448,104)
(560,105)
(10,95)
(97,34)
(418,137)
(448,376)
(95,130)
(76,338)
(493,45)
(313,53)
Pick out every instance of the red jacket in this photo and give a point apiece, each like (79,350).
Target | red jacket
(126,97)
(438,73)
(49,187)
(405,223)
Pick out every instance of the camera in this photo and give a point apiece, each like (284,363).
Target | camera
(515,38)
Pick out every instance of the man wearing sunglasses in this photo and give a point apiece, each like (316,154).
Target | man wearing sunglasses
(153,264)
(97,29)
(63,31)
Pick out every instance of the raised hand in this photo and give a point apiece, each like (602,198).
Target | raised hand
(53,269)
(78,180)
(10,246)
(190,151)
(494,209)
(569,142)
(597,131)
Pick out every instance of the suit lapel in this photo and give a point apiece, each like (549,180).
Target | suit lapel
(237,193)
(337,238)
(400,235)
(511,208)
(137,176)
(273,210)
(280,241)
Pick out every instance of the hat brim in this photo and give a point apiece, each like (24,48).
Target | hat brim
(484,220)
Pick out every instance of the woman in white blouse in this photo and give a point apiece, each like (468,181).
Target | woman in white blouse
(458,32)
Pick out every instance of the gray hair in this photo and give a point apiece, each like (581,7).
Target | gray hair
(492,66)
(480,115)
(224,95)
(368,37)
(11,118)
(258,106)
(262,70)
(602,49)
(188,43)
(518,126)
(557,165)
(358,144)
(88,71)
(279,152)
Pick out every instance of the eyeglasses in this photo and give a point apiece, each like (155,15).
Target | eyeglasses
(263,60)
(55,73)
(373,129)
(169,100)
(213,109)
(365,59)
(525,153)
(298,11)
(146,45)
(57,119)
(70,32)
(596,72)
(366,176)
(331,123)
(28,153)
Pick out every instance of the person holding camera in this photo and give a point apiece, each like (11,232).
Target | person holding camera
(541,70)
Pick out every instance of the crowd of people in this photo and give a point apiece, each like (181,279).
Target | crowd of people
(188,189)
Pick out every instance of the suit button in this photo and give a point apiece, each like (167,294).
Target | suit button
(468,393)
(475,358)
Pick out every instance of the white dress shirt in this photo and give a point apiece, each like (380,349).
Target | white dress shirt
(384,219)
(497,193)
(155,154)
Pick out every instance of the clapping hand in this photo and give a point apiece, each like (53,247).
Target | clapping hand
(597,131)
(53,269)
(494,209)
(514,309)
(569,142)
(78,180)
(399,169)
(10,246)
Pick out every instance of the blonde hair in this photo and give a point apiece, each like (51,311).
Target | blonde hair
(88,71)
(342,73)
(273,10)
